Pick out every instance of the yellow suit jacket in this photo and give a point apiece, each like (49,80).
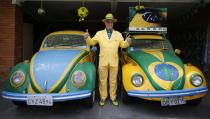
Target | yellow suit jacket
(108,47)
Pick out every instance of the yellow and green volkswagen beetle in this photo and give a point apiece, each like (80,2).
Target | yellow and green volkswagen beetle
(153,71)
(62,70)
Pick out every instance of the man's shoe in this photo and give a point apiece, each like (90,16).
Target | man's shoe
(115,102)
(102,102)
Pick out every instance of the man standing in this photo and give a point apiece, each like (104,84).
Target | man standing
(109,41)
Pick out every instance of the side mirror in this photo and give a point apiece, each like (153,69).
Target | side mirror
(178,51)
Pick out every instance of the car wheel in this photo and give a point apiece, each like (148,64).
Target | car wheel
(90,101)
(19,103)
(125,98)
(194,102)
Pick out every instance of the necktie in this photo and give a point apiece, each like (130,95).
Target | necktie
(109,33)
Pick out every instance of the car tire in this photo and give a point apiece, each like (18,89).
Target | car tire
(194,102)
(90,100)
(125,98)
(19,103)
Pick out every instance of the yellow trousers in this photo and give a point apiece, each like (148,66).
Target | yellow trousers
(103,76)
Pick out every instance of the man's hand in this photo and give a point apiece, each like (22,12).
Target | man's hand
(86,34)
(128,39)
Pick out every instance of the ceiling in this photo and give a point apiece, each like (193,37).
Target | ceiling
(66,10)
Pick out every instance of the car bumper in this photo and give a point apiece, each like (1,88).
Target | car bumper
(161,94)
(56,96)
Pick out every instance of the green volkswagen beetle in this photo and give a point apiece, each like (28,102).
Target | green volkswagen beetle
(153,71)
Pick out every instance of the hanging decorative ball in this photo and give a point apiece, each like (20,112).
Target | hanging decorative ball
(82,13)
(41,11)
(139,8)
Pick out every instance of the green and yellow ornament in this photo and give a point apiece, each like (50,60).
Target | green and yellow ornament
(139,7)
(82,13)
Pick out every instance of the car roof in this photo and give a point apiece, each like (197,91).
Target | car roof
(68,32)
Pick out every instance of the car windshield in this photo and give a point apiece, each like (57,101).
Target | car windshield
(65,40)
(139,44)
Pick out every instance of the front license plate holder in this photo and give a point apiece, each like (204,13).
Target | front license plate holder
(171,101)
(41,100)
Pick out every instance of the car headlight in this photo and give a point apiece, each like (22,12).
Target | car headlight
(196,80)
(78,78)
(17,79)
(137,80)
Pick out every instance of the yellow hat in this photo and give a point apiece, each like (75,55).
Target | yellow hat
(109,16)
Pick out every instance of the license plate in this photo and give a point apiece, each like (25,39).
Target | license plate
(172,101)
(44,100)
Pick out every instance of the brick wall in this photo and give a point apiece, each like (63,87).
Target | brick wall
(10,36)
